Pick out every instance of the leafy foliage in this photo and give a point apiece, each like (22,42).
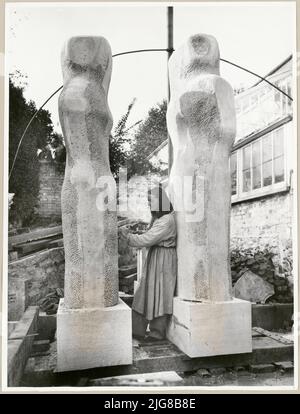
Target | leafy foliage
(55,149)
(118,154)
(150,134)
(24,181)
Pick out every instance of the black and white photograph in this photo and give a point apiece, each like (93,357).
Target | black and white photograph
(150,197)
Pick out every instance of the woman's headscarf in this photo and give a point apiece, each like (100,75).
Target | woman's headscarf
(165,206)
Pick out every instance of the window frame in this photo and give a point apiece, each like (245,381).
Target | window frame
(263,190)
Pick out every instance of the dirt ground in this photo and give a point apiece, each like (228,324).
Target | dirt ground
(242,379)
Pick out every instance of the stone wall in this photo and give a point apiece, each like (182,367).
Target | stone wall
(51,175)
(261,236)
(265,222)
(39,272)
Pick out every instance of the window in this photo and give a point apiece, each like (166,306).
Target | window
(246,168)
(267,160)
(284,102)
(258,167)
(233,170)
(278,155)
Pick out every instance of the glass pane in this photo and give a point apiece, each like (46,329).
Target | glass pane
(256,165)
(256,177)
(267,173)
(267,148)
(246,157)
(289,91)
(254,100)
(256,156)
(279,169)
(246,180)
(278,142)
(246,168)
(267,160)
(277,96)
(245,103)
(233,170)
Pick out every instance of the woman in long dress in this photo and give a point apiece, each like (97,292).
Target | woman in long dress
(153,299)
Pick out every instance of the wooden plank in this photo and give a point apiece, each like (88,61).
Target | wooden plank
(167,357)
(159,378)
(35,235)
(29,247)
(20,344)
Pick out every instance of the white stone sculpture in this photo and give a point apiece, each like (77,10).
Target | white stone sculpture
(202,124)
(94,326)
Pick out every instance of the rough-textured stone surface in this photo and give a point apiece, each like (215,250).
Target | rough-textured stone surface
(45,270)
(253,288)
(202,125)
(90,338)
(17,297)
(46,326)
(266,264)
(93,325)
(20,344)
(261,240)
(207,329)
(51,176)
(90,235)
(274,316)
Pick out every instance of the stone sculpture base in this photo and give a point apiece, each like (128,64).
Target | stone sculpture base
(202,329)
(90,338)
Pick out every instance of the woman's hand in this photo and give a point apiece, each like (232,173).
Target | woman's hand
(124,232)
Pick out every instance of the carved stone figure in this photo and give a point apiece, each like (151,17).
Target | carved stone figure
(201,123)
(90,235)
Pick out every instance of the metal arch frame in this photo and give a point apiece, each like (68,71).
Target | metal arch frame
(170,51)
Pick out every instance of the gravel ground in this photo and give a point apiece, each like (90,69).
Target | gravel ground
(241,378)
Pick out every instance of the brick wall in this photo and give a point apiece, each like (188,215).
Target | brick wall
(51,175)
(265,222)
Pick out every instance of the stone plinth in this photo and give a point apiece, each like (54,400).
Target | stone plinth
(90,338)
(205,329)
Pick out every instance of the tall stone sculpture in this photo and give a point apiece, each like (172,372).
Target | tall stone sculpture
(201,123)
(93,324)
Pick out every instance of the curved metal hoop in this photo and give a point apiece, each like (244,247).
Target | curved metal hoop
(127,53)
